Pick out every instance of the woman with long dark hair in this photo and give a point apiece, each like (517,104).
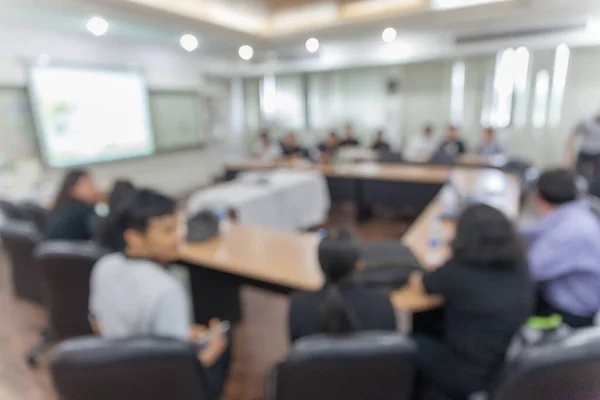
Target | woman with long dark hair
(488,296)
(111,236)
(70,217)
(342,306)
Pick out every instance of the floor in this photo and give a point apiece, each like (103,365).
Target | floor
(259,342)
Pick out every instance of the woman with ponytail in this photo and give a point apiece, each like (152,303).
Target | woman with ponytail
(342,306)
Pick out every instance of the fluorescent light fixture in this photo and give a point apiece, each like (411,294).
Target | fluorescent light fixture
(97,25)
(246,52)
(389,35)
(189,42)
(449,4)
(312,45)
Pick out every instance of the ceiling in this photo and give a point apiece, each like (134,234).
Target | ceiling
(349,30)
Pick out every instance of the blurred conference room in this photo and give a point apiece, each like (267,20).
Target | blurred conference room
(299,199)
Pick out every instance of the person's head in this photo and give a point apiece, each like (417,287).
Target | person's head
(289,140)
(349,131)
(489,135)
(452,132)
(149,225)
(555,188)
(77,184)
(264,136)
(332,139)
(428,131)
(380,135)
(485,237)
(338,256)
(121,190)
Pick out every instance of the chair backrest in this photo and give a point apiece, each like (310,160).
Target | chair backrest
(67,267)
(568,368)
(12,211)
(93,368)
(372,366)
(35,214)
(442,158)
(20,239)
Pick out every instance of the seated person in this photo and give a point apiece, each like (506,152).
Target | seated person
(564,251)
(266,149)
(341,306)
(328,148)
(121,191)
(380,144)
(72,216)
(452,146)
(290,148)
(422,147)
(490,145)
(132,294)
(349,139)
(488,296)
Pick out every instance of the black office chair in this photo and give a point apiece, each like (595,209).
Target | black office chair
(388,156)
(133,369)
(12,211)
(67,267)
(442,158)
(370,366)
(34,213)
(564,369)
(20,239)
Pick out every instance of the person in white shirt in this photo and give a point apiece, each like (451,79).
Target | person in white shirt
(266,149)
(421,147)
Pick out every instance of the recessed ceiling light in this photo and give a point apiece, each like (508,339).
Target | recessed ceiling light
(389,35)
(593,26)
(97,25)
(189,42)
(246,52)
(312,45)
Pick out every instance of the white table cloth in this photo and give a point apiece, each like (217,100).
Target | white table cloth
(286,200)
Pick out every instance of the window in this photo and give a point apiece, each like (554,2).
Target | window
(540,105)
(504,85)
(457,95)
(268,96)
(521,93)
(559,79)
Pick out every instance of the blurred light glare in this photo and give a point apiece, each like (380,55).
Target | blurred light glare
(389,35)
(97,26)
(246,52)
(189,42)
(312,45)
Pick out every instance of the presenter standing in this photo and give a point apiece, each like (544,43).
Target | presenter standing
(583,147)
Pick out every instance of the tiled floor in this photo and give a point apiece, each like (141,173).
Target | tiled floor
(259,342)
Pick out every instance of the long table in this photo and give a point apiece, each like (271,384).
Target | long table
(287,261)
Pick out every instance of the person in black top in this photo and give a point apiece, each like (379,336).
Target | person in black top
(71,218)
(488,296)
(453,146)
(349,139)
(380,144)
(290,148)
(341,306)
(328,147)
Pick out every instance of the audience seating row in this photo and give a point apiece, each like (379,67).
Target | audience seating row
(374,366)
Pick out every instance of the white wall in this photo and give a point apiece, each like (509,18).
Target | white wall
(165,68)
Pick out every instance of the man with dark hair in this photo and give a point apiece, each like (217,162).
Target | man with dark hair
(453,146)
(133,294)
(564,251)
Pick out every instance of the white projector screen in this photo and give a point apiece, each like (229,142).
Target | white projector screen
(87,116)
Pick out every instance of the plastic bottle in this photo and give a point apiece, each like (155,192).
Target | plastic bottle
(222,215)
(435,252)
(450,200)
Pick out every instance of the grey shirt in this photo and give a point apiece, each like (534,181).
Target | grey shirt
(589,131)
(137,297)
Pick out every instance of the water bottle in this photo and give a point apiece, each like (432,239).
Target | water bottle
(450,200)
(222,214)
(435,252)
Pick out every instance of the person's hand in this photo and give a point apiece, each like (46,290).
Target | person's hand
(197,332)
(216,346)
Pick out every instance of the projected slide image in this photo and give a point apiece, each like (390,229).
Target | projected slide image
(87,116)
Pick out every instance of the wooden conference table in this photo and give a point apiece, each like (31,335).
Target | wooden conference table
(287,261)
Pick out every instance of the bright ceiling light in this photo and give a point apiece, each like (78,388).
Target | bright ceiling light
(312,45)
(189,42)
(389,35)
(246,52)
(593,27)
(97,25)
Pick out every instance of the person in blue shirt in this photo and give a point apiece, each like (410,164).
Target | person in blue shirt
(490,146)
(564,251)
